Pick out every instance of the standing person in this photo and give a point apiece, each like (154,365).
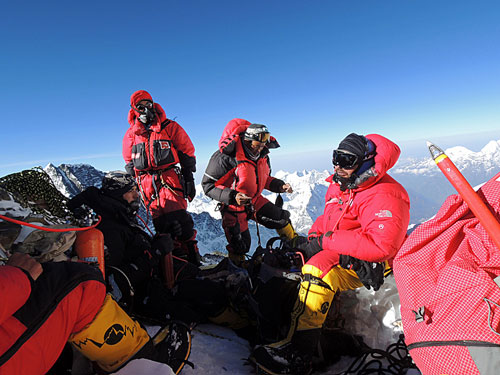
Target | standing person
(236,175)
(153,148)
(363,225)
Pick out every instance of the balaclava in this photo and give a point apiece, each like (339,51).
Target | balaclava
(147,115)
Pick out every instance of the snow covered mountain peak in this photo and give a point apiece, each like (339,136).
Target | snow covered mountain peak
(425,184)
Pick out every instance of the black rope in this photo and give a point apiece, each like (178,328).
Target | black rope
(371,362)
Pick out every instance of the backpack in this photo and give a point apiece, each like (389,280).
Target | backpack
(231,134)
(448,277)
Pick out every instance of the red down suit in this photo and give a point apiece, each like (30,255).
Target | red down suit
(154,152)
(448,277)
(368,222)
(230,171)
(36,318)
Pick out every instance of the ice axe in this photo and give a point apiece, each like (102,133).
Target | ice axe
(475,203)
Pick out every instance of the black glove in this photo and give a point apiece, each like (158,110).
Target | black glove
(174,228)
(298,242)
(370,274)
(190,190)
(311,247)
(162,244)
(189,187)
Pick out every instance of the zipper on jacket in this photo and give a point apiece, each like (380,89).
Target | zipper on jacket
(424,344)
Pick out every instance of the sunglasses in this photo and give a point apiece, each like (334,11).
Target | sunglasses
(344,159)
(142,107)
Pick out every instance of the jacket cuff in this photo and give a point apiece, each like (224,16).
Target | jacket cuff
(276,185)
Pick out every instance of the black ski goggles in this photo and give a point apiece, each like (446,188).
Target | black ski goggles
(142,107)
(344,159)
(258,137)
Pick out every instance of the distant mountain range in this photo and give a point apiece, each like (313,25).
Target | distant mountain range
(422,179)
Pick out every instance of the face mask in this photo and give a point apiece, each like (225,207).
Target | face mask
(147,116)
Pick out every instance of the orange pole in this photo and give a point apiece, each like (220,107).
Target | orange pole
(475,203)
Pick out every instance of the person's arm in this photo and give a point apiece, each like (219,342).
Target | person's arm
(315,230)
(276,185)
(384,221)
(127,143)
(184,147)
(185,150)
(219,168)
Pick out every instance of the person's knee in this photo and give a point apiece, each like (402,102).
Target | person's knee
(179,221)
(272,216)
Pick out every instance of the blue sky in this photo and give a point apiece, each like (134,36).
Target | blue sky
(313,71)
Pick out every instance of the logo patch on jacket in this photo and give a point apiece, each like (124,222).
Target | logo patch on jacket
(164,145)
(384,213)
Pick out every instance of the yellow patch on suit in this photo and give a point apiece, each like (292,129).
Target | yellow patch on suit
(111,338)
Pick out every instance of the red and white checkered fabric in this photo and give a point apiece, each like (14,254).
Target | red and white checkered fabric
(448,266)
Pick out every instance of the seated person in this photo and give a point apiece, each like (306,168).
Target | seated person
(139,265)
(45,306)
(363,225)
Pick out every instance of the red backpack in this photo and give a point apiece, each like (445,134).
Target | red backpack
(448,277)
(231,134)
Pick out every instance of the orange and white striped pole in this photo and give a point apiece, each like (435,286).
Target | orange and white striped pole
(475,203)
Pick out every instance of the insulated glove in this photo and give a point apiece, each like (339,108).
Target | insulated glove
(298,242)
(163,244)
(174,228)
(189,187)
(370,274)
(310,248)
(190,190)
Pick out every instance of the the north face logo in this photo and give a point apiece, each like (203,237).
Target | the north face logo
(384,213)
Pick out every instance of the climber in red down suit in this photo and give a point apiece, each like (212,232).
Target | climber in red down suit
(236,175)
(153,148)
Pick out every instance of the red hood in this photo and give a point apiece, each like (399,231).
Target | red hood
(138,126)
(387,155)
